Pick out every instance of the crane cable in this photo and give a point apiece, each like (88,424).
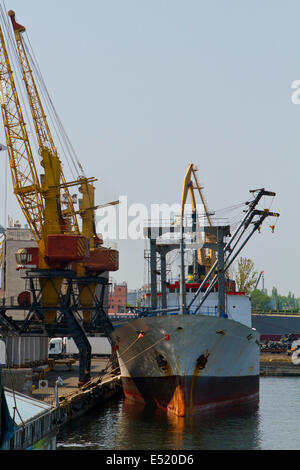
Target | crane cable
(11,47)
(57,126)
(52,111)
(60,132)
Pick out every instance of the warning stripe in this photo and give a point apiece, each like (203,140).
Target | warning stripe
(80,247)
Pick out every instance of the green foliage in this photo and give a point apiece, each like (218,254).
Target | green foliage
(260,301)
(245,276)
(280,302)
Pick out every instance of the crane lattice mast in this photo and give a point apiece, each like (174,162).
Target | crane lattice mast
(43,132)
(23,170)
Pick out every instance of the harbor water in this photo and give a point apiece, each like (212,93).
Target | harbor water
(272,425)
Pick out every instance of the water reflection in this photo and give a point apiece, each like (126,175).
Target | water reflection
(152,429)
(274,424)
(123,426)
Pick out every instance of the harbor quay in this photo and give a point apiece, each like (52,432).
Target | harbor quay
(278,365)
(56,393)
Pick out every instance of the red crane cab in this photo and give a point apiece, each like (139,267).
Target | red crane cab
(61,250)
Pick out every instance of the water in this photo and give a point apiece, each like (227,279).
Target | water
(272,425)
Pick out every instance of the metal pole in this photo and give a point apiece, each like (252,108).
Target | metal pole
(221,275)
(182,272)
(256,225)
(163,276)
(56,394)
(209,274)
(153,269)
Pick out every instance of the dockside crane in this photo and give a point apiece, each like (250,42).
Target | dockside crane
(204,258)
(39,198)
(64,257)
(100,258)
(46,145)
(44,136)
(261,275)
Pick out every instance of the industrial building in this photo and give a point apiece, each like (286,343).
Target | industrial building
(12,283)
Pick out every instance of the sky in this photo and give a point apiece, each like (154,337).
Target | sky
(145,88)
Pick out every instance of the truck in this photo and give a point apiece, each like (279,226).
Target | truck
(66,347)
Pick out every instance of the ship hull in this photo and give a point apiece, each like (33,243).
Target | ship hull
(188,363)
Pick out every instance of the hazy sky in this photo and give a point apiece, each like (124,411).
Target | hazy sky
(146,87)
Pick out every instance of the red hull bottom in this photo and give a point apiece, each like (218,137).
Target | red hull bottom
(183,395)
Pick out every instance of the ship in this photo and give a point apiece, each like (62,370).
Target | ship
(188,363)
(197,350)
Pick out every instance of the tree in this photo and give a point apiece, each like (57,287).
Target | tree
(245,276)
(275,300)
(260,301)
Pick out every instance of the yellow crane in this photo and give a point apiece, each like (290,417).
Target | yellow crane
(22,166)
(44,136)
(39,198)
(60,244)
(205,258)
(86,204)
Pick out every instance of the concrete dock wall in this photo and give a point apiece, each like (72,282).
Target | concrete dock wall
(278,365)
(98,391)
(43,431)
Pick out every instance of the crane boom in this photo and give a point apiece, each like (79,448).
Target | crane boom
(189,187)
(23,170)
(43,132)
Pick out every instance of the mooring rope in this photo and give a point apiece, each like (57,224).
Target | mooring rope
(142,352)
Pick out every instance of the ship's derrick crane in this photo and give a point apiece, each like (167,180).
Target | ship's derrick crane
(204,258)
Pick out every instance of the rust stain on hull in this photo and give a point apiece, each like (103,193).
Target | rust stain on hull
(200,364)
(177,403)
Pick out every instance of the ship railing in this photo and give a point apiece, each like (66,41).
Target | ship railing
(211,311)
(123,316)
(11,301)
(147,312)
